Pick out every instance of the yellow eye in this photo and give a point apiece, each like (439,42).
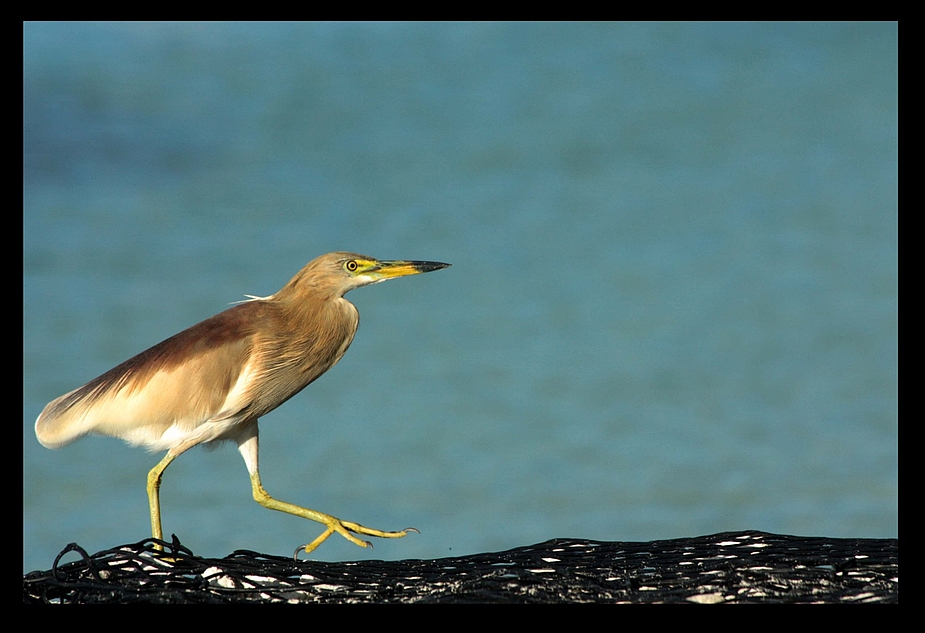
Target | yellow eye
(351,266)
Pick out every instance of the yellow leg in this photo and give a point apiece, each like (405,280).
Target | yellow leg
(248,446)
(333,524)
(154,486)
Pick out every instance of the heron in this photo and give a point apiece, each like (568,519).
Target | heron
(213,381)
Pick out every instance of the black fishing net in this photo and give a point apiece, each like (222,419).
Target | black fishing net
(736,567)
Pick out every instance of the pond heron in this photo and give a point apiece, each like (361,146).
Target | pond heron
(213,381)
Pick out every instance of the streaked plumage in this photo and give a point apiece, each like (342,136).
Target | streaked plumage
(214,380)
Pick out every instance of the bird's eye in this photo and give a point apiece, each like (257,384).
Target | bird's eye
(351,266)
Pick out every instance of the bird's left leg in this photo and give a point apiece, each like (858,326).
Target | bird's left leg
(248,446)
(154,487)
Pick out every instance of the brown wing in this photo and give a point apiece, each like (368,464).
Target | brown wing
(184,380)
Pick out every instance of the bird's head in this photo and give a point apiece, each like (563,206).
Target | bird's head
(336,274)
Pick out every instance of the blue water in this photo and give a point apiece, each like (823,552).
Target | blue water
(672,309)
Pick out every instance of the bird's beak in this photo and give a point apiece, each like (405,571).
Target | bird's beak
(399,268)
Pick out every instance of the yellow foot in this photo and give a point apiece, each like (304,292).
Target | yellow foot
(344,528)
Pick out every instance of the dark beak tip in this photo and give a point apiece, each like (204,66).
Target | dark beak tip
(426,267)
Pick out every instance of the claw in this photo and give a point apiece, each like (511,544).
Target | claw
(347,530)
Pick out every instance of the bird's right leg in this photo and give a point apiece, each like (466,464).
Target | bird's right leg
(248,446)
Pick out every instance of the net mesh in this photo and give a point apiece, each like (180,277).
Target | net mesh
(736,567)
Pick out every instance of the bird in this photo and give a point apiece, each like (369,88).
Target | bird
(214,380)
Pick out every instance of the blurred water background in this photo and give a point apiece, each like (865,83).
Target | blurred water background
(672,309)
